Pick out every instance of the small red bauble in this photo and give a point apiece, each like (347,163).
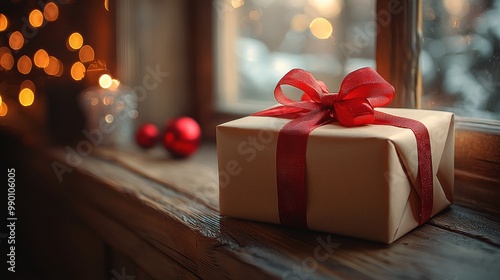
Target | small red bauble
(147,135)
(182,137)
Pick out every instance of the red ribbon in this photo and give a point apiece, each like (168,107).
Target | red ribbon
(360,92)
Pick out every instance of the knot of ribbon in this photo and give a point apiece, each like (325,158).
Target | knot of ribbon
(360,92)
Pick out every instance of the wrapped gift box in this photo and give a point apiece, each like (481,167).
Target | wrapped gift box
(361,181)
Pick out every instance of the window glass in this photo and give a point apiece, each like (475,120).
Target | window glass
(258,41)
(461,57)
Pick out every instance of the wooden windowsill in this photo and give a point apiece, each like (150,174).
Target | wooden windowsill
(162,214)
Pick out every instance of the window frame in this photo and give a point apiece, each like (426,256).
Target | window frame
(473,136)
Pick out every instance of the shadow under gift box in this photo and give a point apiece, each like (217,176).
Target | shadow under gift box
(361,181)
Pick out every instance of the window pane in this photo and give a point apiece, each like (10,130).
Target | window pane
(258,41)
(461,57)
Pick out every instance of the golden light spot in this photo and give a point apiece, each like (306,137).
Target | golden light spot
(53,66)
(28,84)
(41,58)
(321,28)
(75,41)
(7,61)
(86,54)
(1,100)
(61,69)
(105,81)
(109,118)
(3,109)
(114,84)
(4,22)
(108,100)
(16,40)
(237,3)
(51,11)
(327,8)
(24,64)
(106,5)
(26,97)
(94,101)
(300,23)
(77,71)
(456,7)
(36,18)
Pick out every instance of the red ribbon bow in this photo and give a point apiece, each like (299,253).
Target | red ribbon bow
(353,105)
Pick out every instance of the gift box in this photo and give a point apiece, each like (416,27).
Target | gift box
(363,181)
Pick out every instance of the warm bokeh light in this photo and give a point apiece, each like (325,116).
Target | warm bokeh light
(28,84)
(16,40)
(0,100)
(86,54)
(77,71)
(109,118)
(105,81)
(53,67)
(7,61)
(26,97)
(114,84)
(321,28)
(237,3)
(456,7)
(327,8)
(60,70)
(75,41)
(3,109)
(24,64)
(300,23)
(36,18)
(51,11)
(106,5)
(41,58)
(4,22)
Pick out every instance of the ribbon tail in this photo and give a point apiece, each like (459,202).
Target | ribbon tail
(424,158)
(291,168)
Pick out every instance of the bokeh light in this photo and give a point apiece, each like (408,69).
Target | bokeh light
(105,81)
(36,18)
(4,22)
(41,58)
(53,67)
(6,60)
(77,71)
(300,23)
(26,97)
(456,7)
(75,41)
(3,109)
(51,11)
(86,54)
(237,3)
(28,84)
(321,28)
(24,64)
(327,8)
(16,40)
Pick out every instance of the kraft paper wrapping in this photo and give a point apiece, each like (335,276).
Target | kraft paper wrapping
(361,181)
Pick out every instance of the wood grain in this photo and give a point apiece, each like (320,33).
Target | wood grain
(459,243)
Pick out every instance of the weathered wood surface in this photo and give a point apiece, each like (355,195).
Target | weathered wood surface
(166,213)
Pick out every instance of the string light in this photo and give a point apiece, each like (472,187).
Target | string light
(4,22)
(75,41)
(41,58)
(3,109)
(51,11)
(16,40)
(86,54)
(77,71)
(105,81)
(24,65)
(321,28)
(26,97)
(36,18)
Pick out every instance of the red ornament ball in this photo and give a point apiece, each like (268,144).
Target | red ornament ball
(182,136)
(147,135)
